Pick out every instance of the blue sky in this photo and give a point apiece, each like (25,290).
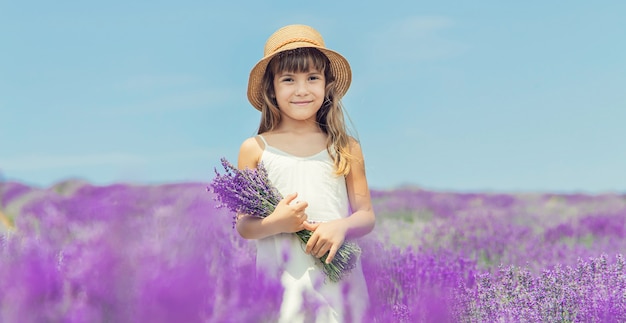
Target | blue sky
(446,95)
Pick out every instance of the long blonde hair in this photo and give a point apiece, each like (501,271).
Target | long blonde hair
(330,117)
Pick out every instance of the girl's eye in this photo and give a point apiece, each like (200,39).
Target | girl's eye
(314,77)
(287,79)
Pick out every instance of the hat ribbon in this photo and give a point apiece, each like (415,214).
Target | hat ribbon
(294,40)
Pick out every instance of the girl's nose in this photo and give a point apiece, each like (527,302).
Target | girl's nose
(301,88)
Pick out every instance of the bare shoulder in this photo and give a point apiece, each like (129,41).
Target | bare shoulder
(355,150)
(354,143)
(250,153)
(356,181)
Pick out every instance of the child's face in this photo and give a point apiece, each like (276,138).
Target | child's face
(299,94)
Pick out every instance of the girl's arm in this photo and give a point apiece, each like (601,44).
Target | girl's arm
(330,235)
(285,218)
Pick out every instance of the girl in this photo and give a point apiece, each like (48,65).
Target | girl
(319,169)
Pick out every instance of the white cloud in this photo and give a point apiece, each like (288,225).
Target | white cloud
(35,162)
(145,93)
(185,155)
(155,82)
(49,161)
(415,39)
(200,99)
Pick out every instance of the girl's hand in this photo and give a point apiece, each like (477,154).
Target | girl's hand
(326,237)
(286,217)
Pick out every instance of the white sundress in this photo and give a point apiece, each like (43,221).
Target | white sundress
(314,180)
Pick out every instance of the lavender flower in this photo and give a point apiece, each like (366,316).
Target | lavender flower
(250,191)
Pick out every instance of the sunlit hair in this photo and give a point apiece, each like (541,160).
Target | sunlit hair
(330,116)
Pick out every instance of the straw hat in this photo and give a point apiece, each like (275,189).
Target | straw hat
(290,37)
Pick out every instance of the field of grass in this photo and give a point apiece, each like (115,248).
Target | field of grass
(163,253)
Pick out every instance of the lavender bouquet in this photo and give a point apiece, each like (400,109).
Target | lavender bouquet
(250,192)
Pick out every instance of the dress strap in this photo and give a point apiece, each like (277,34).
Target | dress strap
(263,139)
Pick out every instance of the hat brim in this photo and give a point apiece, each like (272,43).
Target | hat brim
(338,65)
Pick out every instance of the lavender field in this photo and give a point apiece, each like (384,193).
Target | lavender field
(163,253)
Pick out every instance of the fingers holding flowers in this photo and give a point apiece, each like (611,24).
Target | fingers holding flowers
(289,217)
(327,237)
